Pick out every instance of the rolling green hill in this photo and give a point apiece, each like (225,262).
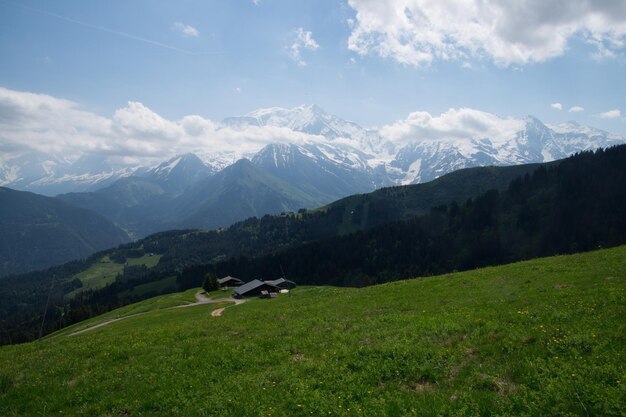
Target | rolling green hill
(106,270)
(542,337)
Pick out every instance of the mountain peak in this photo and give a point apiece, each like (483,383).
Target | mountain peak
(179,172)
(273,111)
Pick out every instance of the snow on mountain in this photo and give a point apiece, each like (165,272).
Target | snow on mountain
(49,175)
(321,141)
(326,172)
(312,120)
(422,161)
(179,173)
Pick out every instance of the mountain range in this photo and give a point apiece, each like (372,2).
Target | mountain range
(332,158)
(331,143)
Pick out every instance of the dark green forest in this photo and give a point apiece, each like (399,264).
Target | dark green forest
(577,205)
(464,220)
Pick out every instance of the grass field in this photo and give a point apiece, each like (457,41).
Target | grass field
(104,272)
(544,337)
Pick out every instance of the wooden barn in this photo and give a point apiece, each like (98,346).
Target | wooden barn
(252,288)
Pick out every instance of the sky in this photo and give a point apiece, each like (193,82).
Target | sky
(373,62)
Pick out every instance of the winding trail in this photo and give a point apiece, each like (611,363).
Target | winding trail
(200,299)
(218,311)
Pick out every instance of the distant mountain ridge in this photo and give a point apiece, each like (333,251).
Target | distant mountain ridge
(327,140)
(37,232)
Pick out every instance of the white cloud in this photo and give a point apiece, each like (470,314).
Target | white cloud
(187,31)
(576,109)
(417,32)
(42,123)
(256,2)
(556,106)
(302,39)
(611,114)
(452,125)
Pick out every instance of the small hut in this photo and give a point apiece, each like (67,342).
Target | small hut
(282,283)
(229,282)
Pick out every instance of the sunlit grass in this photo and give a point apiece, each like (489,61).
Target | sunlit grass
(544,337)
(105,270)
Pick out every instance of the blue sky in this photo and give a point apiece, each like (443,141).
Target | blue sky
(367,61)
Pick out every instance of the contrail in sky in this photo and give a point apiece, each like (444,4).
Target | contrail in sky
(111,31)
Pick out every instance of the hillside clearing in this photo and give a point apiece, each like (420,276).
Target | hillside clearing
(543,337)
(104,272)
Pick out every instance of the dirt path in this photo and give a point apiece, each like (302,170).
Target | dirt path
(218,311)
(104,323)
(200,299)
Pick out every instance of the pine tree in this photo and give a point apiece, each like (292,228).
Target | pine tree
(210,282)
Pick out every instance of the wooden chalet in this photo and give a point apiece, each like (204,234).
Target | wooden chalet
(282,283)
(255,287)
(229,281)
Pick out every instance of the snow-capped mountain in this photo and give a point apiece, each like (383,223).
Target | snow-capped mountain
(422,161)
(367,153)
(329,156)
(49,175)
(312,120)
(325,172)
(178,173)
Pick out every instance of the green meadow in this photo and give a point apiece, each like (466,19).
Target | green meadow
(105,270)
(539,338)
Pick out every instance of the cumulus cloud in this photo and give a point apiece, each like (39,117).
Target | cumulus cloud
(42,123)
(576,109)
(417,32)
(556,106)
(611,114)
(187,31)
(302,39)
(452,125)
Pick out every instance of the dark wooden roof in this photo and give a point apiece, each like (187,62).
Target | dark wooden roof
(228,279)
(251,286)
(282,283)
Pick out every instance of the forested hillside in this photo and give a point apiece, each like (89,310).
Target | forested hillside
(37,232)
(577,205)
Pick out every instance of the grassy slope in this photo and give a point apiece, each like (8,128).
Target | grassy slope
(104,272)
(156,303)
(543,337)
